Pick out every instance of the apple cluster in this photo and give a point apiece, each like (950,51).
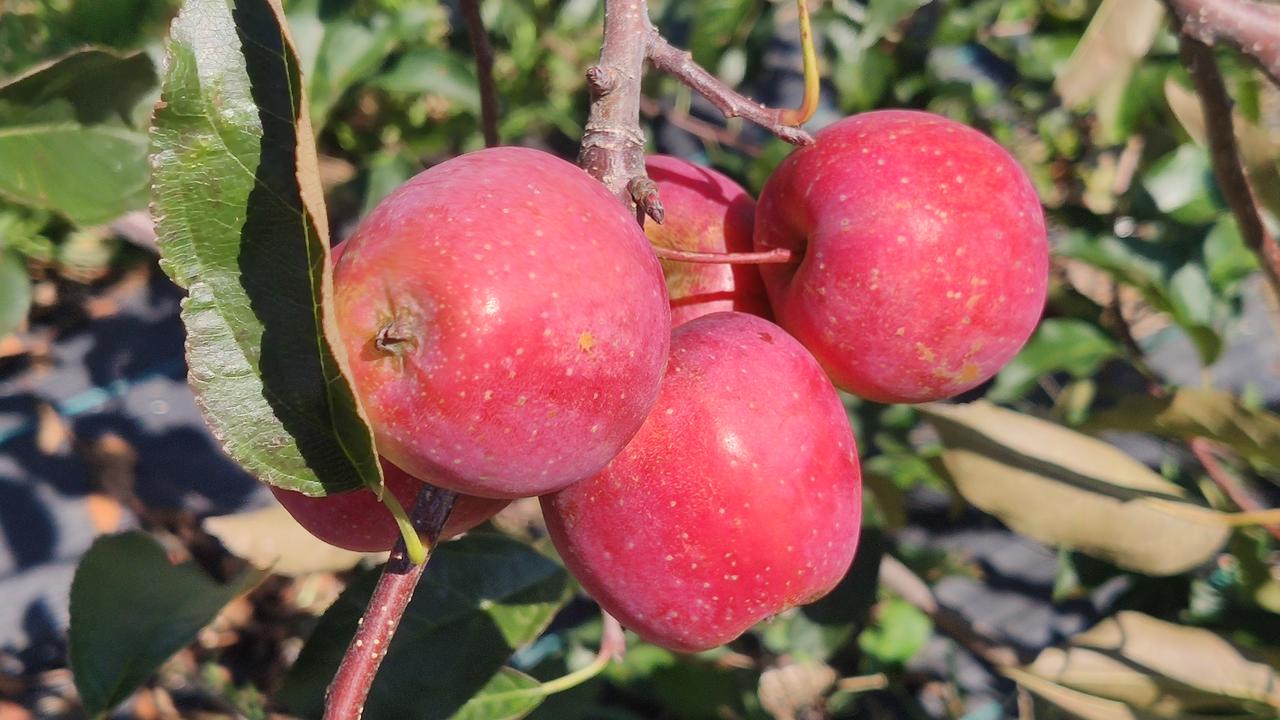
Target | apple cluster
(512,334)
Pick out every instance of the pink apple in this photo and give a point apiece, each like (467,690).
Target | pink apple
(739,498)
(923,256)
(506,323)
(705,212)
(357,521)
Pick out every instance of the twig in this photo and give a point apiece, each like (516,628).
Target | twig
(679,63)
(898,577)
(1251,27)
(1202,448)
(483,51)
(1220,132)
(350,687)
(613,143)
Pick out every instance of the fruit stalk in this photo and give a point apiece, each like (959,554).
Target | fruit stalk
(346,695)
(764,257)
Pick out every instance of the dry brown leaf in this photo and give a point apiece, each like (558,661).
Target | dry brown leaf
(1154,667)
(105,512)
(1070,490)
(14,711)
(788,689)
(1099,68)
(53,432)
(271,539)
(114,463)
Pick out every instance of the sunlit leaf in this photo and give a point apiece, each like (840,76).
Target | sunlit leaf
(242,227)
(1070,490)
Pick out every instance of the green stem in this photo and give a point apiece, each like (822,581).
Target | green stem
(612,643)
(414,548)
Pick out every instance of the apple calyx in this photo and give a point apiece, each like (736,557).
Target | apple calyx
(396,336)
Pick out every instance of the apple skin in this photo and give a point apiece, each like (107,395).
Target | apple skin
(357,521)
(506,323)
(705,212)
(924,254)
(739,498)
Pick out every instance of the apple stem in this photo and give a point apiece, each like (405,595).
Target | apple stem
(350,687)
(777,256)
(812,80)
(414,548)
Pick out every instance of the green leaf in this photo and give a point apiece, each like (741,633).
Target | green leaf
(15,292)
(337,51)
(99,83)
(1069,490)
(1182,185)
(480,598)
(1259,147)
(242,226)
(120,23)
(715,26)
(131,608)
(1059,344)
(1227,259)
(91,174)
(1167,277)
(433,71)
(897,634)
(509,695)
(1193,412)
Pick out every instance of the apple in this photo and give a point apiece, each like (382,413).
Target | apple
(505,321)
(705,212)
(739,498)
(923,255)
(357,520)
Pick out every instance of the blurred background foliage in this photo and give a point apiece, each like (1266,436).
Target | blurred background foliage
(1090,97)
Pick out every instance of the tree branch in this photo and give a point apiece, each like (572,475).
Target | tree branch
(1224,154)
(483,51)
(1251,27)
(350,687)
(679,63)
(613,143)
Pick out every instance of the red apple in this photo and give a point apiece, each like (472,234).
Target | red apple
(357,521)
(705,212)
(506,323)
(739,498)
(923,254)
